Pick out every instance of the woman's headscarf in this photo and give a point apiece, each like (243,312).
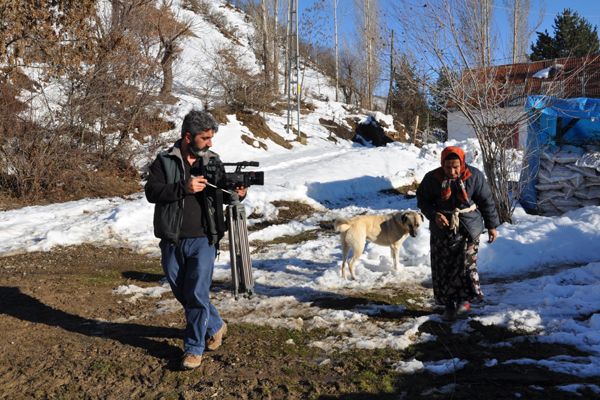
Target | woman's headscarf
(465,174)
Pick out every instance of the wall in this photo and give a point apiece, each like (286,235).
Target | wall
(459,128)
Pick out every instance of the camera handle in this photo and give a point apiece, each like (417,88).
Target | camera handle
(239,250)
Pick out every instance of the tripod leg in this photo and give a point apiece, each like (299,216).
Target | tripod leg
(245,253)
(232,250)
(239,250)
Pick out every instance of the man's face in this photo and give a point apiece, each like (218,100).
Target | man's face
(452,168)
(202,141)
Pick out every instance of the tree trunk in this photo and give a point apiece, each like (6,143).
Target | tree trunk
(287,49)
(276,49)
(388,103)
(265,43)
(167,68)
(515,50)
(368,49)
(337,79)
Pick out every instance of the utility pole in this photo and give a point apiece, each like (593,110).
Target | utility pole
(293,62)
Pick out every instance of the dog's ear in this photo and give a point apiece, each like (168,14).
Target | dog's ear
(404,218)
(422,216)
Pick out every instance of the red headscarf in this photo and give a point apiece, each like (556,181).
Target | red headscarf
(465,174)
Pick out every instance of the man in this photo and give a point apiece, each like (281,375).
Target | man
(188,218)
(458,203)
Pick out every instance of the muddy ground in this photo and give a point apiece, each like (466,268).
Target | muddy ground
(65,335)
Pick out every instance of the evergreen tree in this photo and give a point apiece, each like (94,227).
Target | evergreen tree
(573,36)
(439,95)
(407,97)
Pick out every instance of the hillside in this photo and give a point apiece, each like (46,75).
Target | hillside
(111,111)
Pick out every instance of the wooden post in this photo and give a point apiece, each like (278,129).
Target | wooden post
(415,130)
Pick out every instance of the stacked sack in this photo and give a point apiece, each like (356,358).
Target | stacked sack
(569,178)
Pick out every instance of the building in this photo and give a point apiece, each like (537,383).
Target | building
(563,78)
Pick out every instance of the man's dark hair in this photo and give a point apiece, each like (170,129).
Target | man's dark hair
(198,121)
(452,156)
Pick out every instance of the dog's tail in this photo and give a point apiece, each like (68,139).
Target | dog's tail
(341,225)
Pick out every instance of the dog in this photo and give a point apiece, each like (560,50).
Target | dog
(386,230)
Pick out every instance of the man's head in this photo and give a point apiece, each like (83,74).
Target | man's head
(453,161)
(197,131)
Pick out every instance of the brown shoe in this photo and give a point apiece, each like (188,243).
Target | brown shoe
(191,361)
(214,342)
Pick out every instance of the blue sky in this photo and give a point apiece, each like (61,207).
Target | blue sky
(589,9)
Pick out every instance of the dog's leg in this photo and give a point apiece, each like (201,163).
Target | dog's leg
(356,253)
(345,250)
(395,250)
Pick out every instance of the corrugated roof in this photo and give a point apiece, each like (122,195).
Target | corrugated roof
(567,78)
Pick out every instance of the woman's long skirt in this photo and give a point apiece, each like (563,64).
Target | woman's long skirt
(454,268)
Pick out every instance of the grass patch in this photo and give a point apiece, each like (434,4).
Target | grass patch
(394,297)
(336,129)
(289,210)
(102,367)
(286,239)
(101,277)
(286,212)
(259,128)
(254,142)
(407,191)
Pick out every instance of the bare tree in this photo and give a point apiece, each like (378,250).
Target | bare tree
(350,77)
(474,25)
(335,30)
(457,37)
(108,77)
(519,12)
(276,48)
(170,32)
(266,40)
(370,39)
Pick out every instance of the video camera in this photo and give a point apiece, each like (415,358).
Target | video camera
(243,178)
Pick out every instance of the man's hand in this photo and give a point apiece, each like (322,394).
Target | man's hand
(441,220)
(241,191)
(492,235)
(196,184)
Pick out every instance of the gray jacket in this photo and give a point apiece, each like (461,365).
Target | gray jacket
(430,202)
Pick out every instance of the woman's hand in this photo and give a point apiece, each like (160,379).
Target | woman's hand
(441,220)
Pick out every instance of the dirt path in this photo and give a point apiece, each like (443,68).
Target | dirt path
(64,334)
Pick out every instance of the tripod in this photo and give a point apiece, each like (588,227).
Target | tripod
(239,251)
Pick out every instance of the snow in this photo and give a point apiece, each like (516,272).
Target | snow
(542,275)
(440,367)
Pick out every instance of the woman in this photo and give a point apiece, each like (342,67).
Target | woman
(458,203)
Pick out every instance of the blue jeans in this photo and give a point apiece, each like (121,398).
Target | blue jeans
(189,269)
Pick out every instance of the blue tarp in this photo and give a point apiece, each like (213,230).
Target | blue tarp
(554,122)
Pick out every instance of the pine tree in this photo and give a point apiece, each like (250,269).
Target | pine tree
(573,36)
(439,95)
(407,97)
